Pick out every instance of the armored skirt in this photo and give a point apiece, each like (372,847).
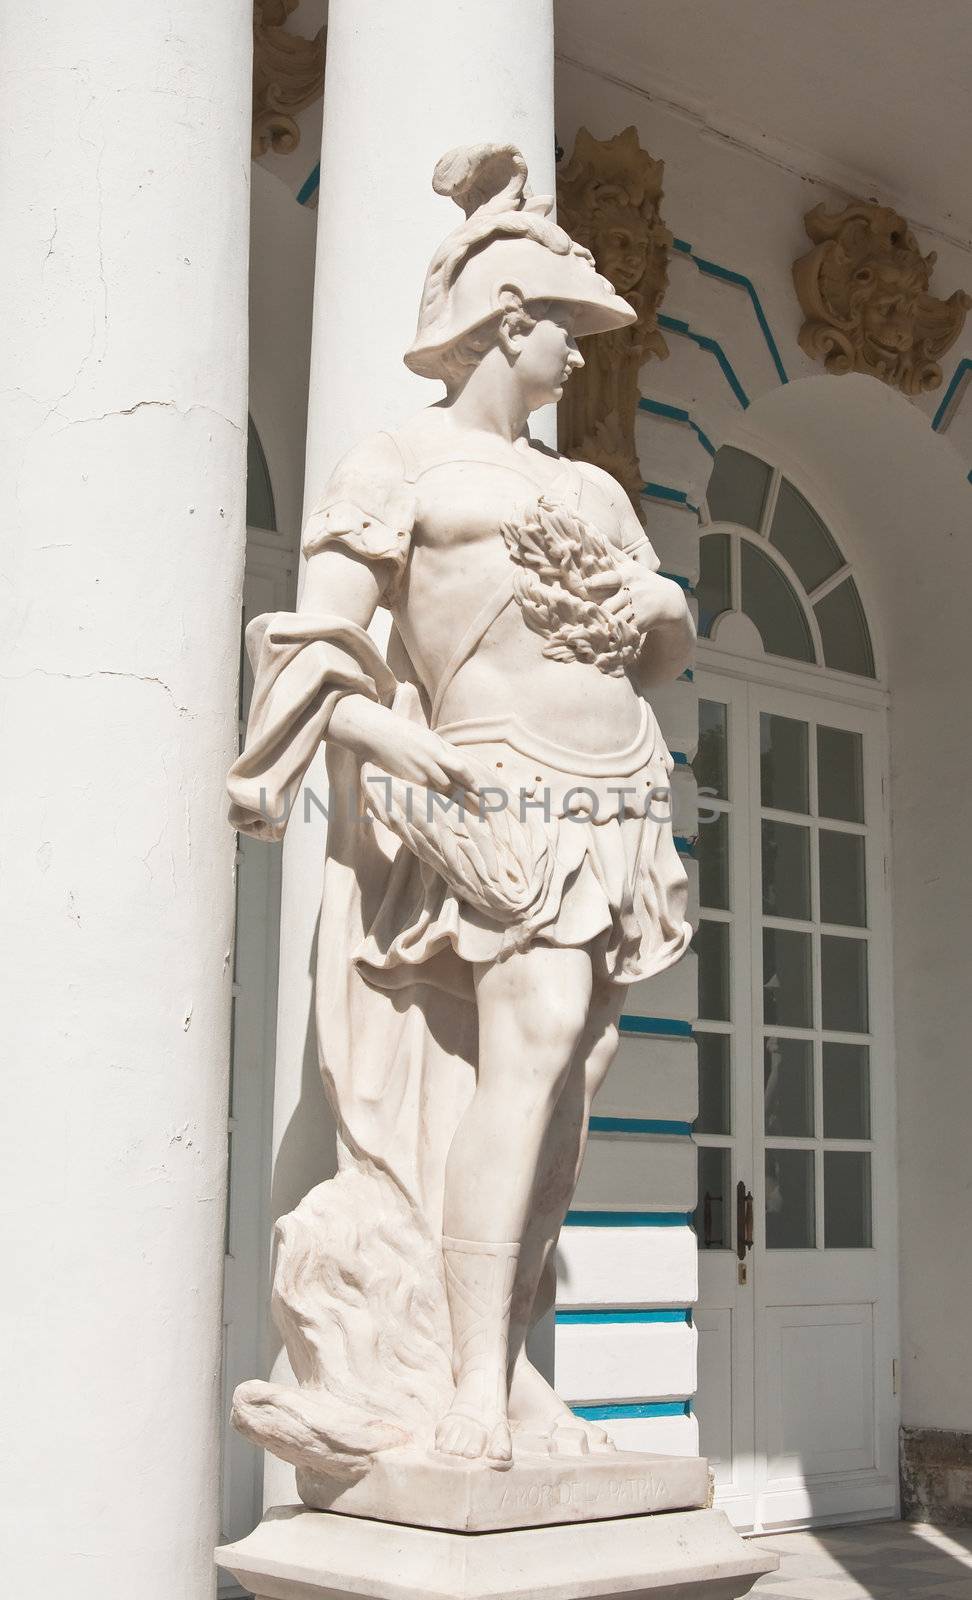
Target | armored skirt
(581,844)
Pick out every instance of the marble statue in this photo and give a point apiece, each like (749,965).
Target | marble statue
(500,866)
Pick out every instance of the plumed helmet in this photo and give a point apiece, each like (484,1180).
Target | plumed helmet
(508,241)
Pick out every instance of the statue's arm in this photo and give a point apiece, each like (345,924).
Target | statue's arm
(339,582)
(318,675)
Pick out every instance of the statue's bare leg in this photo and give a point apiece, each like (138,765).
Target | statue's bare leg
(533,1012)
(534,1405)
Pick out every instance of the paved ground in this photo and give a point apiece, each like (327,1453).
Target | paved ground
(879,1561)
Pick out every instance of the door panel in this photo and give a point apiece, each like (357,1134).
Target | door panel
(820,1388)
(796,1101)
(714,1391)
(723,1131)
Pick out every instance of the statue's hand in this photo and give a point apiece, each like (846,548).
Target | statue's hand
(402,748)
(644,599)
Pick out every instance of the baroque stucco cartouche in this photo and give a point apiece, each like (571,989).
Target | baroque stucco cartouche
(609,196)
(865,292)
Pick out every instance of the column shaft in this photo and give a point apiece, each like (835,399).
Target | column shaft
(405,83)
(124,212)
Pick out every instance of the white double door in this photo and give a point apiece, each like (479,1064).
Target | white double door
(797,1230)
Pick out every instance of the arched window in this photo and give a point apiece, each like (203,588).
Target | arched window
(260,511)
(770,558)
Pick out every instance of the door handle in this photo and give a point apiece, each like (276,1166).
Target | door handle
(744,1220)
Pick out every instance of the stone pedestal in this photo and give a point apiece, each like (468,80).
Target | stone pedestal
(296,1554)
(428,1490)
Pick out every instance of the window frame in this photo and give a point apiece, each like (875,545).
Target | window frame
(786,670)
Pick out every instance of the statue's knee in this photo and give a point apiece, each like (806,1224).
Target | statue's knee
(600,1058)
(541,1077)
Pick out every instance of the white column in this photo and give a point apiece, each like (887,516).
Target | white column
(124,216)
(405,82)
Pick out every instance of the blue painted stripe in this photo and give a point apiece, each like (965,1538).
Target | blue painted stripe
(661,408)
(310,186)
(714,348)
(684,846)
(712,269)
(569,1318)
(667,1027)
(639,1125)
(676,577)
(628,1219)
(664,491)
(961,371)
(643,1408)
(688,676)
(680,758)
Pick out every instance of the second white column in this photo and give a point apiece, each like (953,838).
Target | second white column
(405,83)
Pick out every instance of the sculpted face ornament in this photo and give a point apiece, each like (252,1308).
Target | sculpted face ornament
(474,952)
(609,197)
(865,291)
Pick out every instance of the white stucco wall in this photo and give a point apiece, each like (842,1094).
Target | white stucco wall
(900,494)
(282,235)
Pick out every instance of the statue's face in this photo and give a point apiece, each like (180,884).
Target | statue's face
(546,356)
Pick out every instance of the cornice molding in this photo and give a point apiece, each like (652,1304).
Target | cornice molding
(800,160)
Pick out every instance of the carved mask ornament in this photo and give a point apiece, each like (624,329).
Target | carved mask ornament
(864,289)
(609,194)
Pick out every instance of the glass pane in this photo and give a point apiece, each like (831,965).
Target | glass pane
(784,763)
(843,887)
(737,488)
(711,943)
(788,1088)
(713,1214)
(844,631)
(787,991)
(711,765)
(790,1212)
(847,1199)
(714,1102)
(802,538)
(770,602)
(786,870)
(840,774)
(846,1091)
(259,494)
(712,590)
(843,977)
(713,854)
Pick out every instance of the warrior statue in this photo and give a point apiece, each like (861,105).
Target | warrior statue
(500,860)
